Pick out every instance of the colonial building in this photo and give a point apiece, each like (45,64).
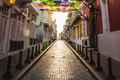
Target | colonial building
(17,27)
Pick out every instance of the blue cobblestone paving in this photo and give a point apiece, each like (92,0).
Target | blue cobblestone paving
(59,63)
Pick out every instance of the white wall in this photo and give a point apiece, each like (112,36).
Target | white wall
(109,44)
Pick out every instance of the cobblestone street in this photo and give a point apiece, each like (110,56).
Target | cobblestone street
(59,40)
(59,63)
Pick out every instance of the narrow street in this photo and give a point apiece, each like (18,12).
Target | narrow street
(59,40)
(59,63)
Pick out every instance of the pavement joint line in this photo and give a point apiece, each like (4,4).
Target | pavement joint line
(29,66)
(91,70)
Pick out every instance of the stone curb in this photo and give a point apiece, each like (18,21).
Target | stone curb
(90,69)
(26,69)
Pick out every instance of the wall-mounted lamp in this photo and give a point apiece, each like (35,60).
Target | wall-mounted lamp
(10,2)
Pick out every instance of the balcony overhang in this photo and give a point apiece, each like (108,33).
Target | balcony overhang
(75,20)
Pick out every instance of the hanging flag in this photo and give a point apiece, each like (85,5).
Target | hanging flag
(105,15)
(99,17)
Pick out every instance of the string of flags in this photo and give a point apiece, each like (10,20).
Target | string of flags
(56,5)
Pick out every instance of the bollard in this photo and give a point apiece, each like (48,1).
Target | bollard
(32,52)
(36,53)
(49,42)
(39,49)
(91,58)
(98,66)
(82,53)
(86,53)
(73,45)
(80,49)
(76,47)
(28,56)
(110,75)
(8,74)
(20,63)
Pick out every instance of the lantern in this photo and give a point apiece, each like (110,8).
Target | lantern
(10,2)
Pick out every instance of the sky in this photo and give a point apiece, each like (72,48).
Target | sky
(60,18)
